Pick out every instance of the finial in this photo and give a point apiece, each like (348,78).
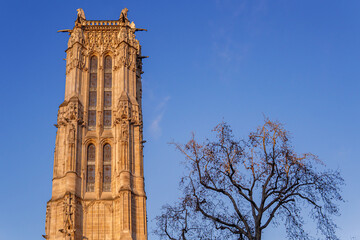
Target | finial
(132,25)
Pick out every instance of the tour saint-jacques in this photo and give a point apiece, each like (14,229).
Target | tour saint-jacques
(98,179)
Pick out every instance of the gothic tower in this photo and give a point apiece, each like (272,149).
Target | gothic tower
(98,181)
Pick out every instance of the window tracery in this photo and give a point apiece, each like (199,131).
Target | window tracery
(93,92)
(107,168)
(90,179)
(107,91)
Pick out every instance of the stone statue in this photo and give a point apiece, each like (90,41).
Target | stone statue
(124,131)
(72,134)
(80,14)
(123,14)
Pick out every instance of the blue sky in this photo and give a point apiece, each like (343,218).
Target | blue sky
(210,60)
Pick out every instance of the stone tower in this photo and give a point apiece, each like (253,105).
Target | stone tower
(98,181)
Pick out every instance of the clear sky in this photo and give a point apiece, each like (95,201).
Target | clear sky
(210,60)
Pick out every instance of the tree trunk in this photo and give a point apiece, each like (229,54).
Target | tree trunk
(257,234)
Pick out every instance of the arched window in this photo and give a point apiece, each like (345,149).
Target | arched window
(107,168)
(107,91)
(92,92)
(90,179)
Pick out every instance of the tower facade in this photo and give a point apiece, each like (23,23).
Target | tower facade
(98,181)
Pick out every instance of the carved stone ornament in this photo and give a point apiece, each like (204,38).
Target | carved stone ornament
(77,36)
(75,59)
(70,111)
(127,111)
(135,114)
(100,41)
(69,215)
(123,35)
(139,65)
(121,41)
(127,56)
(123,111)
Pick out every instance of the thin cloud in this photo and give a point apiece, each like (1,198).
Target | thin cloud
(228,47)
(155,127)
(163,103)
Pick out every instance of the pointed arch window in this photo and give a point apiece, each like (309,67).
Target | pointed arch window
(107,91)
(90,175)
(93,91)
(107,168)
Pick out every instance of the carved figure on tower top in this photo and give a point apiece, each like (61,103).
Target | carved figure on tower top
(123,15)
(80,15)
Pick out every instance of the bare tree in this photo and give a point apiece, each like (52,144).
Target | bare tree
(235,188)
(180,222)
